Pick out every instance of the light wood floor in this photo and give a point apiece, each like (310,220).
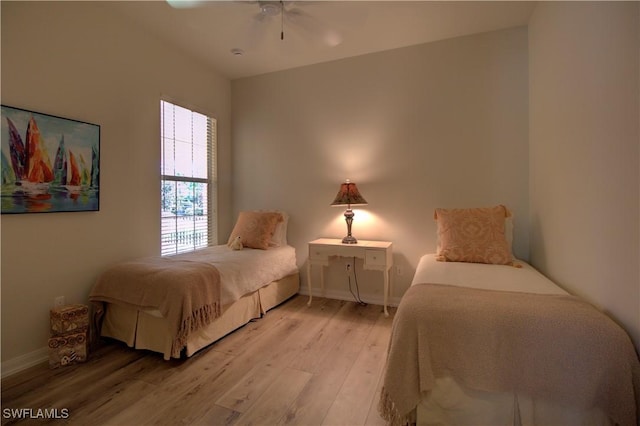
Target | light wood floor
(298,365)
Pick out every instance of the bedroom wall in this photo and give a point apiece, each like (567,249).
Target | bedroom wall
(81,61)
(584,150)
(442,124)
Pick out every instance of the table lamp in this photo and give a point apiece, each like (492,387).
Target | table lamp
(349,195)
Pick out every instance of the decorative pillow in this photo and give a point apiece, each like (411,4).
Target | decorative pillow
(279,238)
(508,233)
(473,235)
(255,229)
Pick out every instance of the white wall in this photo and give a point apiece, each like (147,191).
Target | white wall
(78,60)
(584,149)
(436,125)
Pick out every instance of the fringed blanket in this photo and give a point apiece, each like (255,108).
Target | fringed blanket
(552,347)
(187,293)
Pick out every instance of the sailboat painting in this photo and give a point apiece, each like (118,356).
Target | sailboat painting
(49,164)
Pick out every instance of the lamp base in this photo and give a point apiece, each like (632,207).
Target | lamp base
(349,240)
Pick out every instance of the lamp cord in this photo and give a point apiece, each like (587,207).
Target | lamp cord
(355,277)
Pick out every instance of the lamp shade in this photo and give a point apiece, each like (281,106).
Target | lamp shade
(348,195)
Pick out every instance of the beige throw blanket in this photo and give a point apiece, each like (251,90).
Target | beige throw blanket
(187,293)
(554,347)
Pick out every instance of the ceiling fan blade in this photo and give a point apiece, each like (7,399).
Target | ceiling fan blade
(185,4)
(270,7)
(292,15)
(257,30)
(261,17)
(314,27)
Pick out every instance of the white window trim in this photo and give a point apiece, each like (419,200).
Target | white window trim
(211,181)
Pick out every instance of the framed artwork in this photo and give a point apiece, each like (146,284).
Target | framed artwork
(49,164)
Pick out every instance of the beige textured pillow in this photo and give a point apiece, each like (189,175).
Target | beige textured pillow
(473,235)
(279,238)
(255,229)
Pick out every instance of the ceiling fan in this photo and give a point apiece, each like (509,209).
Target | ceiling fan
(275,9)
(288,15)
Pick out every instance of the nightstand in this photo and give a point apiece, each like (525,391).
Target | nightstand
(376,255)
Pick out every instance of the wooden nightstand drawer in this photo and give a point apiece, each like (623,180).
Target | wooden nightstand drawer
(323,252)
(319,252)
(375,257)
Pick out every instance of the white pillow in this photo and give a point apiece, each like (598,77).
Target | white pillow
(279,238)
(508,232)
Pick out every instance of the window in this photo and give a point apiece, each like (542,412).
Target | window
(188,179)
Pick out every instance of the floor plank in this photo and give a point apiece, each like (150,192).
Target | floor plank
(297,365)
(273,404)
(244,394)
(349,333)
(351,405)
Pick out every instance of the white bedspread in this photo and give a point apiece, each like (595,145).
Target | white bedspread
(245,271)
(482,276)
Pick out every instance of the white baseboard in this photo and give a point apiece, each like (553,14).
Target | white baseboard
(375,299)
(23,362)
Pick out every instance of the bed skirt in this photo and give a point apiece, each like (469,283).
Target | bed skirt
(149,330)
(451,403)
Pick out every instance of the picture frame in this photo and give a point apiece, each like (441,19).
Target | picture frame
(49,164)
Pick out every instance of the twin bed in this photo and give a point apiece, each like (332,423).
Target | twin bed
(483,339)
(478,339)
(177,305)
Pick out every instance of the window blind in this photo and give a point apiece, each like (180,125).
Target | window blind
(188,180)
